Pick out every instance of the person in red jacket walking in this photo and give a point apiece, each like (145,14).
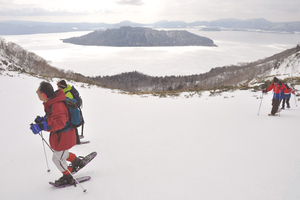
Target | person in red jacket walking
(287,96)
(56,118)
(278,89)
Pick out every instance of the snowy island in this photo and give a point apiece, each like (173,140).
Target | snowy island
(139,36)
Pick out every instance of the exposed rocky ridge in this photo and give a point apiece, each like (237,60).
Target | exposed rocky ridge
(138,36)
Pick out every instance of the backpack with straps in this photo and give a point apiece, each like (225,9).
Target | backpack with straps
(76,96)
(75,116)
(287,86)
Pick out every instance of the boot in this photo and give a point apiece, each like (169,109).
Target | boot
(65,180)
(77,164)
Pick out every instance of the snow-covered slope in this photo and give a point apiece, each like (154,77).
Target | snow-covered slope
(288,67)
(202,147)
(208,147)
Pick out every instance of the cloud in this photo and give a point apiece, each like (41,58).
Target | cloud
(131,2)
(207,10)
(150,10)
(37,12)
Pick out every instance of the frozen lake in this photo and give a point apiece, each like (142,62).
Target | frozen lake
(233,48)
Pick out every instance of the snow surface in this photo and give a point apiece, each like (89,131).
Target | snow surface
(203,147)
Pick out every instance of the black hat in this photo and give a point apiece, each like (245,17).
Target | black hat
(62,84)
(276,80)
(46,88)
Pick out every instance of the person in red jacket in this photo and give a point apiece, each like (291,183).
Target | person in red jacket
(287,96)
(278,89)
(56,118)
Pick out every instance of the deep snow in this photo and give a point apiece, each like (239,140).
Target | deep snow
(208,147)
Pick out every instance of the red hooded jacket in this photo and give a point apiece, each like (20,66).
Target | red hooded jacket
(278,89)
(57,116)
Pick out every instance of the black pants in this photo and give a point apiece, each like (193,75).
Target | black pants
(77,136)
(275,104)
(287,101)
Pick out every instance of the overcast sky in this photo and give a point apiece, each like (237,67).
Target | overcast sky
(148,11)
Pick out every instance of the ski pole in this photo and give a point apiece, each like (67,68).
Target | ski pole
(46,142)
(280,100)
(41,134)
(260,103)
(279,110)
(295,100)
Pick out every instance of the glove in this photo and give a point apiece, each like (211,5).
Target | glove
(264,91)
(36,128)
(39,119)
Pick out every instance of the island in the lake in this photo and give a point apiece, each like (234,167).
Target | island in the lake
(140,37)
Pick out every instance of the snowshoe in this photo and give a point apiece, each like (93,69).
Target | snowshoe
(272,114)
(85,160)
(65,180)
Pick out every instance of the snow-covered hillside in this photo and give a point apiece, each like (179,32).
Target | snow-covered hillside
(204,147)
(286,63)
(288,67)
(201,147)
